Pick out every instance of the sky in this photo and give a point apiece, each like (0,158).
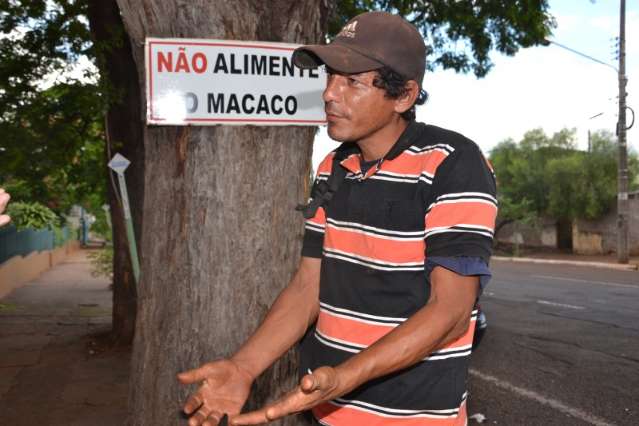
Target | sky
(546,87)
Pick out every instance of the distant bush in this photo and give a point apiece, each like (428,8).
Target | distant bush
(101,225)
(548,176)
(32,215)
(102,262)
(60,235)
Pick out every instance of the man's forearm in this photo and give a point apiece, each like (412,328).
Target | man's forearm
(438,323)
(294,310)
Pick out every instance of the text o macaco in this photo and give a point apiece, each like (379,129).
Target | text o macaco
(230,63)
(250,104)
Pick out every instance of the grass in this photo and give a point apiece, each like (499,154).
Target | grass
(8,307)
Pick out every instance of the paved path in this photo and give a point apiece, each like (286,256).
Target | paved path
(561,347)
(50,373)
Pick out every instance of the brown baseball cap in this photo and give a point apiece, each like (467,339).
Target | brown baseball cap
(367,42)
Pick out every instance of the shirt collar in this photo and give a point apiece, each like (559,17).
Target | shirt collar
(349,153)
(405,140)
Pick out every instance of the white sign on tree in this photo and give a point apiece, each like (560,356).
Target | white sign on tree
(205,82)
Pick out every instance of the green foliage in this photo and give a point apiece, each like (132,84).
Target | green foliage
(544,175)
(41,38)
(51,120)
(54,147)
(60,236)
(102,262)
(520,210)
(32,215)
(521,169)
(461,34)
(101,225)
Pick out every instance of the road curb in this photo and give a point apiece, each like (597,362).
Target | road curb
(617,266)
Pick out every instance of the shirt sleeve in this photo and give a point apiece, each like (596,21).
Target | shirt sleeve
(463,265)
(315,226)
(460,221)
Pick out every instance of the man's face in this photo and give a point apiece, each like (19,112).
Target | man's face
(355,108)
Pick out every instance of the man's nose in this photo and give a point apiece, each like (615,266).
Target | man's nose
(333,88)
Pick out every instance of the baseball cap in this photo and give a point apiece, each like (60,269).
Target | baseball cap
(367,42)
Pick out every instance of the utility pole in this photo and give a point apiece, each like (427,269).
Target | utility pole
(622,161)
(622,177)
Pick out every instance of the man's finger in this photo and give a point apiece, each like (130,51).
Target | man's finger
(200,417)
(193,376)
(322,379)
(293,402)
(257,417)
(213,419)
(310,383)
(193,403)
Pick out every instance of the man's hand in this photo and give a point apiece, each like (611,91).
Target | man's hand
(224,390)
(4,199)
(320,386)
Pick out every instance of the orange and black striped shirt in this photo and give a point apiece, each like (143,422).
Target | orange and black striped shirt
(433,194)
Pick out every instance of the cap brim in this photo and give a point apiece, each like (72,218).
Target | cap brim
(336,56)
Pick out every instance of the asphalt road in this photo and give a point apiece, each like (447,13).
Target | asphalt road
(561,348)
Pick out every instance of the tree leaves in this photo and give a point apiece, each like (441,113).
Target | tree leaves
(51,122)
(548,176)
(461,34)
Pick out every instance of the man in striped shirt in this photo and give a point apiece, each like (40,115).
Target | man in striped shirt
(394,255)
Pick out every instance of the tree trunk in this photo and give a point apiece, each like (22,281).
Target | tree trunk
(221,237)
(125,130)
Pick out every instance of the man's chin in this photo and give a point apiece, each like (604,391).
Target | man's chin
(335,134)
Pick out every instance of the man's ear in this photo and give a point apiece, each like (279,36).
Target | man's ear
(407,100)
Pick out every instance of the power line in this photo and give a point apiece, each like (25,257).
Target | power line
(582,54)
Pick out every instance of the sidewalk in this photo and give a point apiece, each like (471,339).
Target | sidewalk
(599,261)
(50,372)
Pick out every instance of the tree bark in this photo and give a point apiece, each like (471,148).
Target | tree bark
(124,125)
(221,237)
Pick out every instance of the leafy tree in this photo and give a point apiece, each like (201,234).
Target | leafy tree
(41,39)
(462,34)
(49,119)
(521,170)
(548,176)
(52,144)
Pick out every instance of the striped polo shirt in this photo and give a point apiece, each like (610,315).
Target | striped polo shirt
(433,194)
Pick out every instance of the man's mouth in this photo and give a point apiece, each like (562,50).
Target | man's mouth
(332,115)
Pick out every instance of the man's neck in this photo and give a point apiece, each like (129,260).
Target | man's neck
(377,145)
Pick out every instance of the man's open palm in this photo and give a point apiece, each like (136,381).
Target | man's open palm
(224,389)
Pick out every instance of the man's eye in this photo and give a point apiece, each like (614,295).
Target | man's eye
(354,81)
